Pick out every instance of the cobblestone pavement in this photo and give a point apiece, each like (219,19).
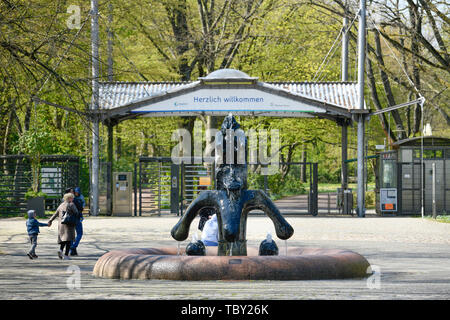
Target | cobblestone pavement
(411,254)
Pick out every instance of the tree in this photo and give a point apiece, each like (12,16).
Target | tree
(35,143)
(203,36)
(39,56)
(417,33)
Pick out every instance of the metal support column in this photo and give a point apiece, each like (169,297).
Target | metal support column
(344,156)
(361,118)
(182,188)
(344,53)
(95,107)
(159,187)
(313,198)
(344,77)
(175,188)
(140,188)
(109,194)
(109,187)
(135,189)
(433,190)
(360,170)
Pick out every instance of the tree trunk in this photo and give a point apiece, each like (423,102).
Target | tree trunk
(416,26)
(144,148)
(376,101)
(8,126)
(27,119)
(118,142)
(303,169)
(387,88)
(177,14)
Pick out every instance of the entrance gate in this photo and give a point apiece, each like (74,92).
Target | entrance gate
(154,185)
(297,178)
(194,179)
(162,187)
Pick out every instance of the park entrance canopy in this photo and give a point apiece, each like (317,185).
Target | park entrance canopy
(228,91)
(224,91)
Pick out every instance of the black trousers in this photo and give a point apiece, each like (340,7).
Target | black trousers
(66,245)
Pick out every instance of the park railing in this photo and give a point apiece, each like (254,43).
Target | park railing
(57,172)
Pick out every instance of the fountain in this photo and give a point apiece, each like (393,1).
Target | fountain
(232,201)
(231,260)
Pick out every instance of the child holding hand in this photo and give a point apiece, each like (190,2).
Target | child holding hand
(33,231)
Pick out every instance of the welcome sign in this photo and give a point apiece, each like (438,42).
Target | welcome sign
(229,100)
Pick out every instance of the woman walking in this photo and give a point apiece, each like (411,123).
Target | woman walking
(66,232)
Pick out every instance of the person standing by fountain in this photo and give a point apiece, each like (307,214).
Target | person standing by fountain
(210,234)
(66,232)
(80,204)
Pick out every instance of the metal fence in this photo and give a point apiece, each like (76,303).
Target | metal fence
(161,187)
(153,185)
(56,174)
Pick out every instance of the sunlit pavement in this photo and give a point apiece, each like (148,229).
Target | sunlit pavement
(411,258)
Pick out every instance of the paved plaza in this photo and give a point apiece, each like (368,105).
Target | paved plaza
(411,257)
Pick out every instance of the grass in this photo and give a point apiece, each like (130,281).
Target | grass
(443,219)
(326,188)
(332,187)
(47,215)
(9,215)
(275,197)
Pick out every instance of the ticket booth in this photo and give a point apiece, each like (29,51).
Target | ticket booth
(122,193)
(415,174)
(386,183)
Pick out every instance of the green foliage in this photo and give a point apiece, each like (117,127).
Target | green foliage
(441,218)
(32,194)
(35,143)
(289,44)
(278,40)
(288,185)
(84,176)
(276,184)
(370,199)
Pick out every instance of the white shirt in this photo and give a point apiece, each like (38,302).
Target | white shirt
(211,230)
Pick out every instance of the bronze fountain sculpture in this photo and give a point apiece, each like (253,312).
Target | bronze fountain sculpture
(232,202)
(232,260)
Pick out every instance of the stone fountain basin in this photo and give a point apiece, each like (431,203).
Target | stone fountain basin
(165,264)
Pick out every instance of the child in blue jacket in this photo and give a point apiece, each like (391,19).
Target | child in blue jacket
(33,230)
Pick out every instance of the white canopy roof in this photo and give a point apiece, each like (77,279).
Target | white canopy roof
(228,90)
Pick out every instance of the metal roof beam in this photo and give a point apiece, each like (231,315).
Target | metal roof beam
(398,106)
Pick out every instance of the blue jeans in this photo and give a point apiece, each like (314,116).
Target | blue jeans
(79,230)
(33,241)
